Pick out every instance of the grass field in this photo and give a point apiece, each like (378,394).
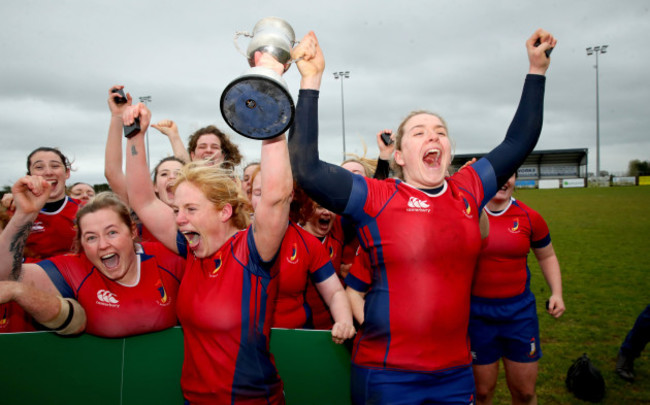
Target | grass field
(600,236)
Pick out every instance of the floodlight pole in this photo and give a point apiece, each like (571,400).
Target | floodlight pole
(590,51)
(342,75)
(146,100)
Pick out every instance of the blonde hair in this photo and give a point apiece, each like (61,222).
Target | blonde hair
(397,169)
(369,165)
(219,187)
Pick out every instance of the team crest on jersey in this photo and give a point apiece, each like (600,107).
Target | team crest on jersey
(417,205)
(164,299)
(533,348)
(468,208)
(515,226)
(217,265)
(38,227)
(107,299)
(331,249)
(293,257)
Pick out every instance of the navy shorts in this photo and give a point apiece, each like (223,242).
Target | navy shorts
(504,328)
(379,386)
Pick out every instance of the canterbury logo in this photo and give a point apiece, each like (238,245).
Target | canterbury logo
(417,203)
(107,297)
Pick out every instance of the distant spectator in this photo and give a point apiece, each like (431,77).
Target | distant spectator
(83,192)
(247,178)
(214,147)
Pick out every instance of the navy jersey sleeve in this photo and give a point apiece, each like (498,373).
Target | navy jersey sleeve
(323,273)
(523,132)
(254,254)
(57,278)
(327,184)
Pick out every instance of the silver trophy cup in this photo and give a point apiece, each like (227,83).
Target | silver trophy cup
(258,104)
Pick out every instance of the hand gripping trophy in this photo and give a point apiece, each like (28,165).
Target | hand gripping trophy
(258,104)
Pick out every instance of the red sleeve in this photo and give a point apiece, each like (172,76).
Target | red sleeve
(539,233)
(167,260)
(360,276)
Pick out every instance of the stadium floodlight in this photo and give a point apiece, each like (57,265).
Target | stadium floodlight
(342,75)
(595,51)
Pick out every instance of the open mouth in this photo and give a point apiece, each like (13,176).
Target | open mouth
(110,261)
(170,194)
(193,238)
(432,158)
(324,221)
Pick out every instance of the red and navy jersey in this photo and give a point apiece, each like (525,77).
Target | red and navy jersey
(225,306)
(361,271)
(13,318)
(52,233)
(145,234)
(301,255)
(333,244)
(502,269)
(117,310)
(423,249)
(349,251)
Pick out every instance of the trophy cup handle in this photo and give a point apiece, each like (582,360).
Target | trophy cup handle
(236,39)
(292,60)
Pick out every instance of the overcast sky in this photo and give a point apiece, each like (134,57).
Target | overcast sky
(465,60)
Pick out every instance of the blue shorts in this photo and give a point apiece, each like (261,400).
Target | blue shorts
(379,386)
(504,328)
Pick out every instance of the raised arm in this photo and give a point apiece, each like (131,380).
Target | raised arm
(272,212)
(30,194)
(113,154)
(385,154)
(526,125)
(170,129)
(327,184)
(157,216)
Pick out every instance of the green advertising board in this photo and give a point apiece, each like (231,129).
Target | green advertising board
(44,368)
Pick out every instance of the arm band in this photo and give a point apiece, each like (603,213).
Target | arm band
(70,319)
